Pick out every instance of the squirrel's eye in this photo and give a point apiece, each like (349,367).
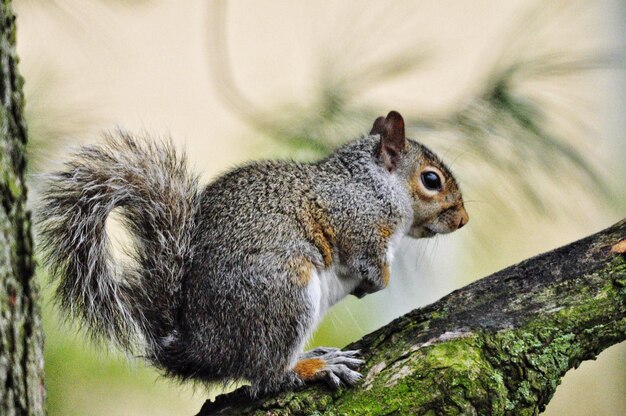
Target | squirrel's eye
(431,180)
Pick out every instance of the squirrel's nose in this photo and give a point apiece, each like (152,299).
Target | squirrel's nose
(464,217)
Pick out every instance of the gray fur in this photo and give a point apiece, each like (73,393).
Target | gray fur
(157,197)
(212,295)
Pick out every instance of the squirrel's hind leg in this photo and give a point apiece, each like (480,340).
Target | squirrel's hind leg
(330,365)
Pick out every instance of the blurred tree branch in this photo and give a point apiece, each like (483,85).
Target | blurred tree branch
(498,346)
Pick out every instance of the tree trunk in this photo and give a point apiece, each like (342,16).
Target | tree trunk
(498,346)
(21,339)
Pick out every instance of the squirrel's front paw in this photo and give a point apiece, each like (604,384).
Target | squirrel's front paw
(330,365)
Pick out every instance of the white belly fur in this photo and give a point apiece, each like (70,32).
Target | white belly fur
(394,243)
(326,287)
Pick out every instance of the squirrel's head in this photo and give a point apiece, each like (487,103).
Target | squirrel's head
(435,196)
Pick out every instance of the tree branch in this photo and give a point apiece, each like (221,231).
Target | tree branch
(498,346)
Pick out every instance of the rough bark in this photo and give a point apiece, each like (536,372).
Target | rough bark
(498,346)
(21,338)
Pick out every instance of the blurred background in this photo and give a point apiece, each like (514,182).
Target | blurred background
(525,100)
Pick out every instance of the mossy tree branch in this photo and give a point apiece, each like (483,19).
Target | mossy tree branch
(498,346)
(21,338)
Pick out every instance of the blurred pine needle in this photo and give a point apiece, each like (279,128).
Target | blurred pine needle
(504,129)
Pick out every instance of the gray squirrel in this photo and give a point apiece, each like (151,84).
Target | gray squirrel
(228,282)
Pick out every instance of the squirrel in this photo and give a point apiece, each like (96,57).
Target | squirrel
(228,282)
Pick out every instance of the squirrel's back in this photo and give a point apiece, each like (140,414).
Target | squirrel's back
(274,207)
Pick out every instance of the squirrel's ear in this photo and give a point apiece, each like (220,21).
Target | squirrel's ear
(378,126)
(392,139)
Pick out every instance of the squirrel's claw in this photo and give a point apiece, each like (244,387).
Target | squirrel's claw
(330,378)
(331,365)
(347,358)
(347,376)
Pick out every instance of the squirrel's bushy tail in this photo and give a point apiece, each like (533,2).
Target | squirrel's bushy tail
(134,304)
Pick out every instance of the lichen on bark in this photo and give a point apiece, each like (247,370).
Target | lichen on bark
(21,338)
